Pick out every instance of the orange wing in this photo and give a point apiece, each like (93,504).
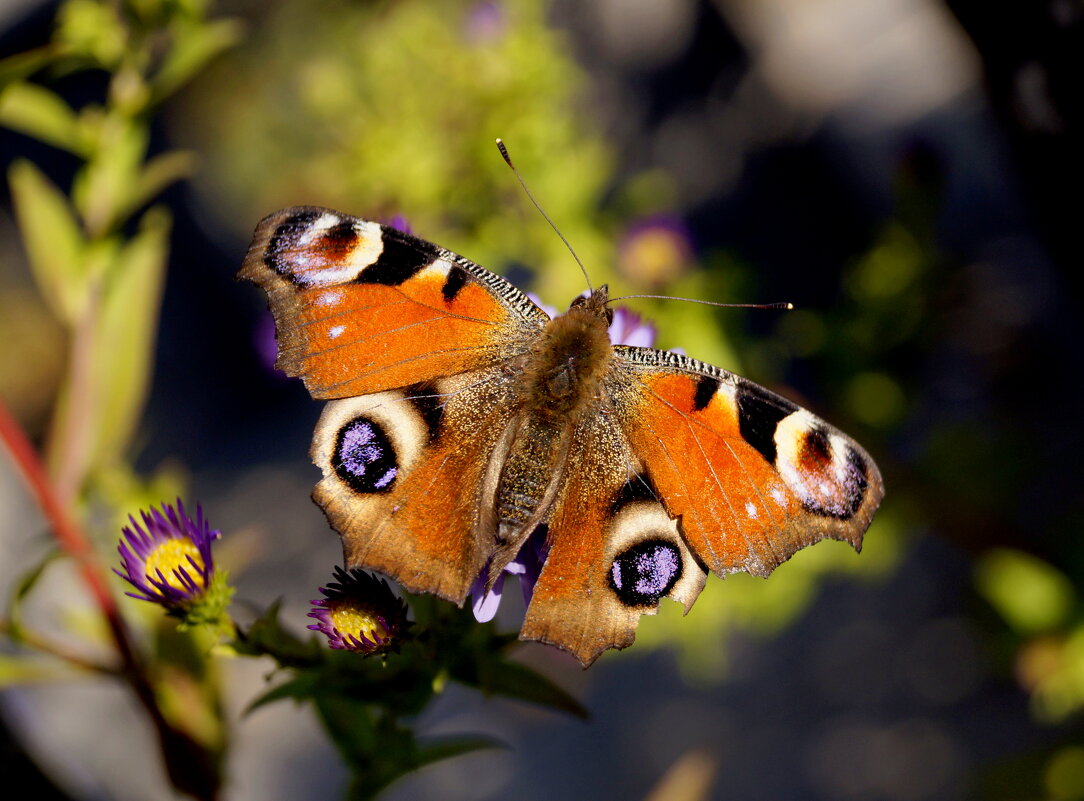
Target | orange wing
(613,551)
(405,472)
(360,307)
(752,477)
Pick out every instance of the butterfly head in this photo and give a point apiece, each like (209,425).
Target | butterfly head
(596,302)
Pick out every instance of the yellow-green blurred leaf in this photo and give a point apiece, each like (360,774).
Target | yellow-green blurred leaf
(93,30)
(42,114)
(125,337)
(111,175)
(23,65)
(53,239)
(1031,595)
(16,670)
(1064,774)
(194,44)
(157,174)
(688,779)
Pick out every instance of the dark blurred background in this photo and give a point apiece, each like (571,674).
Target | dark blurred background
(906,172)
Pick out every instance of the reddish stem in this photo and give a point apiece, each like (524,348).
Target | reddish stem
(68,534)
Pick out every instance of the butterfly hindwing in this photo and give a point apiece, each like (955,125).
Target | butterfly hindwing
(404,475)
(614,552)
(360,307)
(752,476)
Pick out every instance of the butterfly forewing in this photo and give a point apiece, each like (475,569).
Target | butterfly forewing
(360,307)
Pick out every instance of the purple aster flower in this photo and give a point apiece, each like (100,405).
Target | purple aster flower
(168,559)
(360,613)
(527,566)
(266,343)
(399,223)
(629,328)
(655,250)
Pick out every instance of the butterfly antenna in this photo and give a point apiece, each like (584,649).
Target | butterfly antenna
(508,161)
(785,305)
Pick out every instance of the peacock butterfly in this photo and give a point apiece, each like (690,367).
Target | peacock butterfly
(463,420)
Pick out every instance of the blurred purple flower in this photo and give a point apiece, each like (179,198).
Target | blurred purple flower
(485,22)
(266,343)
(655,250)
(629,328)
(168,559)
(399,223)
(360,613)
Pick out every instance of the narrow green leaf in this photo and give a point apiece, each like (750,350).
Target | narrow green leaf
(21,66)
(493,674)
(302,688)
(54,241)
(16,670)
(157,174)
(125,336)
(93,30)
(42,114)
(25,584)
(267,637)
(194,45)
(440,748)
(109,177)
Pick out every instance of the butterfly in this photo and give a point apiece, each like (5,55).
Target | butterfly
(463,420)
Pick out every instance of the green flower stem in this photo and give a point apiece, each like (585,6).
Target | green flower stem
(190,767)
(69,443)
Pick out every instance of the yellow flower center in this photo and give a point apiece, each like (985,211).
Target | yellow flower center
(170,556)
(353,621)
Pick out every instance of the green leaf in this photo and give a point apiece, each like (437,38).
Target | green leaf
(1031,595)
(267,637)
(16,670)
(194,45)
(55,244)
(439,748)
(494,674)
(124,339)
(302,688)
(157,174)
(22,65)
(367,784)
(92,29)
(25,584)
(42,114)
(102,188)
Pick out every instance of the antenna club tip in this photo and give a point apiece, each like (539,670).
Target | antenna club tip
(788,306)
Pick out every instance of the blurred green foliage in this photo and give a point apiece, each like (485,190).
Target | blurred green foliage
(385,109)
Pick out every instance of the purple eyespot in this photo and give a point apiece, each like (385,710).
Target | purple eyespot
(364,458)
(645,572)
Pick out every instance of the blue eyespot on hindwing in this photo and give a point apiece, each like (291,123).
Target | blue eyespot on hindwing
(364,457)
(645,572)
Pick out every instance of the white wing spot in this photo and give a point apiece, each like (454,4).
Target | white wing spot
(335,331)
(751,509)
